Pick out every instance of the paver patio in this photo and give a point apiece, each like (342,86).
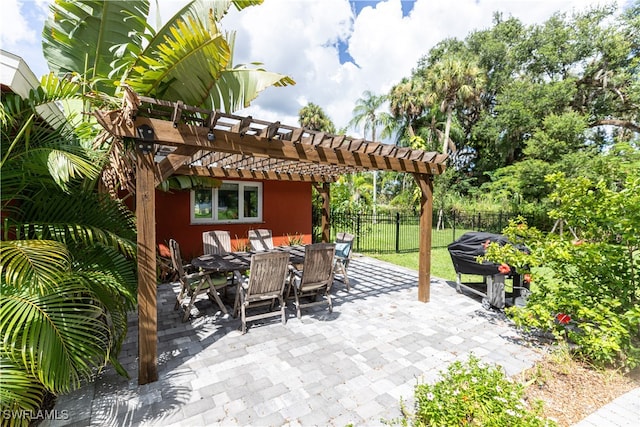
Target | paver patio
(328,369)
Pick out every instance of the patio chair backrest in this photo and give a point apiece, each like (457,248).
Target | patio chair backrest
(260,240)
(267,275)
(348,238)
(216,242)
(318,265)
(176,258)
(343,237)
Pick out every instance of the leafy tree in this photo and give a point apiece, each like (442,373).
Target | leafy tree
(313,117)
(556,93)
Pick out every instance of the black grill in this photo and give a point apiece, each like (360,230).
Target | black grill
(464,254)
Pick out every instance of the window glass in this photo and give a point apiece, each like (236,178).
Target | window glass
(202,206)
(228,205)
(233,201)
(250,201)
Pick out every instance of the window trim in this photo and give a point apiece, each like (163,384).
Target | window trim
(214,205)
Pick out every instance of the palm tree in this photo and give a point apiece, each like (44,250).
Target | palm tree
(313,117)
(68,255)
(454,81)
(366,112)
(407,101)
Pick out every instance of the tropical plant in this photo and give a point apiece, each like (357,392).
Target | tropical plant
(67,254)
(313,117)
(407,102)
(475,394)
(366,113)
(152,62)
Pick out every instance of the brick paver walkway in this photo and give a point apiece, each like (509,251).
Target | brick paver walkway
(329,369)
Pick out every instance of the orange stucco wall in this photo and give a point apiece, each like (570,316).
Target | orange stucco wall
(286,211)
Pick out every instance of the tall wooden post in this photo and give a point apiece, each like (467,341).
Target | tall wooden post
(425,182)
(147,287)
(325,192)
(326,210)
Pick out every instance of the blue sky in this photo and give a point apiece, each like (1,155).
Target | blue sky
(334,49)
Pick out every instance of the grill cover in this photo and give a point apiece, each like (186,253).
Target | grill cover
(468,247)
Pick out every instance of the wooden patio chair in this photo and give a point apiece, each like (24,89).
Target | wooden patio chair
(264,286)
(260,240)
(316,276)
(193,284)
(216,242)
(344,245)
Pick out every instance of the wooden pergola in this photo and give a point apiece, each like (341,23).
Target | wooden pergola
(173,138)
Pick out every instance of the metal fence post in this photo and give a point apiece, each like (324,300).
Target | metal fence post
(358,232)
(397,232)
(453,225)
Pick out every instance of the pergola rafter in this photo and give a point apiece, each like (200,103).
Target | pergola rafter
(173,138)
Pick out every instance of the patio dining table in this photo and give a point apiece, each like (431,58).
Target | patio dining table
(240,261)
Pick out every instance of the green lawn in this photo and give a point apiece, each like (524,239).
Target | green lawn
(381,237)
(441,265)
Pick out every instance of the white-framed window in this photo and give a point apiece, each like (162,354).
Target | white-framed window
(233,201)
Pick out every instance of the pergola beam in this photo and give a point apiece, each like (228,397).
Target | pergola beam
(339,154)
(174,161)
(250,174)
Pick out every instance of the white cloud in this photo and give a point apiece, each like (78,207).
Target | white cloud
(299,38)
(21,24)
(15,28)
(289,38)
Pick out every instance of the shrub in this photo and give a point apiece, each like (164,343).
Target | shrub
(474,394)
(590,273)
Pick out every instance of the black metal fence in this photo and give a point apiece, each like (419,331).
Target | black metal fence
(399,232)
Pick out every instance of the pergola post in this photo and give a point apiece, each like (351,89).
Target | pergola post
(325,193)
(147,287)
(425,182)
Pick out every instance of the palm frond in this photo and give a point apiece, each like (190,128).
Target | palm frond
(19,391)
(51,89)
(184,66)
(60,337)
(236,88)
(111,275)
(33,264)
(78,36)
(58,164)
(88,218)
(196,10)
